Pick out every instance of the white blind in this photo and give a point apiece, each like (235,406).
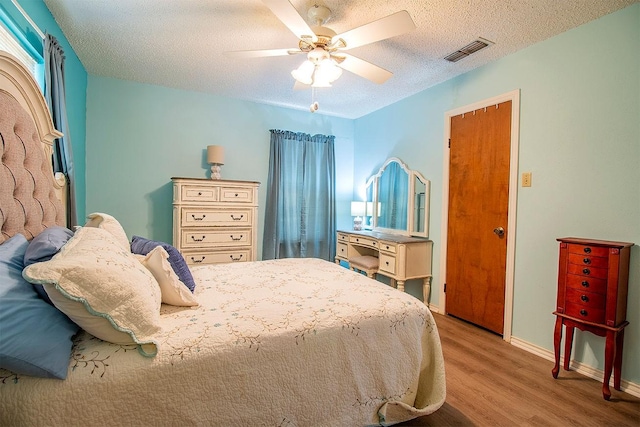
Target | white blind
(9,44)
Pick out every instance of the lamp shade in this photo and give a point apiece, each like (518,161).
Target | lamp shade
(215,154)
(358,208)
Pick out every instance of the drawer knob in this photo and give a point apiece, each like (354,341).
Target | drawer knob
(584,298)
(236,238)
(199,193)
(195,239)
(198,219)
(585,283)
(236,194)
(387,262)
(583,312)
(587,260)
(235,259)
(586,271)
(197,261)
(387,247)
(587,250)
(233,217)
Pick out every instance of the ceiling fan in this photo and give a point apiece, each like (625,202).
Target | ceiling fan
(326,56)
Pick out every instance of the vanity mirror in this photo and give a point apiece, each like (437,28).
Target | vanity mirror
(398,200)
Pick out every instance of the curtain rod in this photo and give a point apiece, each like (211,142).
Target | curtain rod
(28,18)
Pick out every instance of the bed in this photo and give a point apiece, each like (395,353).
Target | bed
(290,342)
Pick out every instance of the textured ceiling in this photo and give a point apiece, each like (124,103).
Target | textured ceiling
(180,43)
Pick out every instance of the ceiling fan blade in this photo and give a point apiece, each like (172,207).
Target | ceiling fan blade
(261,53)
(364,69)
(290,17)
(384,28)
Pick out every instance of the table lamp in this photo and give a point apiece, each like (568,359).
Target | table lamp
(358,209)
(215,157)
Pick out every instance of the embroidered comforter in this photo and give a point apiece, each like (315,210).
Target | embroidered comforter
(293,342)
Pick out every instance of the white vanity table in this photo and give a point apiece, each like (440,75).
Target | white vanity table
(398,198)
(399,257)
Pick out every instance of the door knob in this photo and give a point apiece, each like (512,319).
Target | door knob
(499,231)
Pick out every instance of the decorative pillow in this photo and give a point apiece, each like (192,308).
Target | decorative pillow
(36,337)
(43,247)
(102,288)
(109,223)
(142,246)
(174,292)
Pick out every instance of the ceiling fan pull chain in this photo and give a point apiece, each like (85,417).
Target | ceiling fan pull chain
(314,104)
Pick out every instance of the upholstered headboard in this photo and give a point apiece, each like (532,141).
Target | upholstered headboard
(30,198)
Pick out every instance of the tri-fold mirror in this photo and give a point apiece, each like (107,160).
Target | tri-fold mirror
(398,200)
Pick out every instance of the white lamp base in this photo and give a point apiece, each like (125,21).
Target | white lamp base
(215,171)
(357,223)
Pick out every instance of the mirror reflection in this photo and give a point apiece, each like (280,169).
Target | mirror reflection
(398,200)
(393,197)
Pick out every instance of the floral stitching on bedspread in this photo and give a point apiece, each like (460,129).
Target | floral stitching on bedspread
(239,307)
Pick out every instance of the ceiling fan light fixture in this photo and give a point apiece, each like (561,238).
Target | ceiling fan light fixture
(329,70)
(320,79)
(304,73)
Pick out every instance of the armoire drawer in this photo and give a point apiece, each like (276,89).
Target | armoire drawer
(218,257)
(202,217)
(212,238)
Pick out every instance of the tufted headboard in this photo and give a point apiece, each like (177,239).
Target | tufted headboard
(30,198)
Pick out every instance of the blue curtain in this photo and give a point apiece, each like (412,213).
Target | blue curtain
(393,195)
(300,209)
(57,101)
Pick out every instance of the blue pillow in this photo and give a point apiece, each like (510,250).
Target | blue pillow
(43,247)
(36,337)
(142,246)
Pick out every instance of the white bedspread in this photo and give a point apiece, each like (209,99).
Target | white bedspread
(294,342)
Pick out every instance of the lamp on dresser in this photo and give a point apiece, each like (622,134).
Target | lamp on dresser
(215,157)
(358,210)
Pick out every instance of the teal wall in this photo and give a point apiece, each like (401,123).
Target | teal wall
(579,136)
(139,136)
(76,82)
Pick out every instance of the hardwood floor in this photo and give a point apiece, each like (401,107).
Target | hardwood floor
(493,383)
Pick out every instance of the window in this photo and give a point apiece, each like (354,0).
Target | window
(13,41)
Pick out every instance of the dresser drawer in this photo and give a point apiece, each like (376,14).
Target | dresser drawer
(343,237)
(581,312)
(218,257)
(588,250)
(589,300)
(207,237)
(199,193)
(588,284)
(202,217)
(387,263)
(587,260)
(364,241)
(588,271)
(236,194)
(342,249)
(388,247)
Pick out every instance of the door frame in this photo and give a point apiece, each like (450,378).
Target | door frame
(514,97)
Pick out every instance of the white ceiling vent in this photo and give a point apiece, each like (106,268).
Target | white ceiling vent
(472,47)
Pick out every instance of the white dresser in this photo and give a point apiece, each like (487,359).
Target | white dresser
(215,221)
(400,257)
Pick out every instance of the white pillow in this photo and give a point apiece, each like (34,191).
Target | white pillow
(103,289)
(174,292)
(109,223)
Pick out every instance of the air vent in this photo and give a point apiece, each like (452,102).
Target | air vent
(472,47)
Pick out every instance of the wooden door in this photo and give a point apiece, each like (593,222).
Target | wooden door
(477,223)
